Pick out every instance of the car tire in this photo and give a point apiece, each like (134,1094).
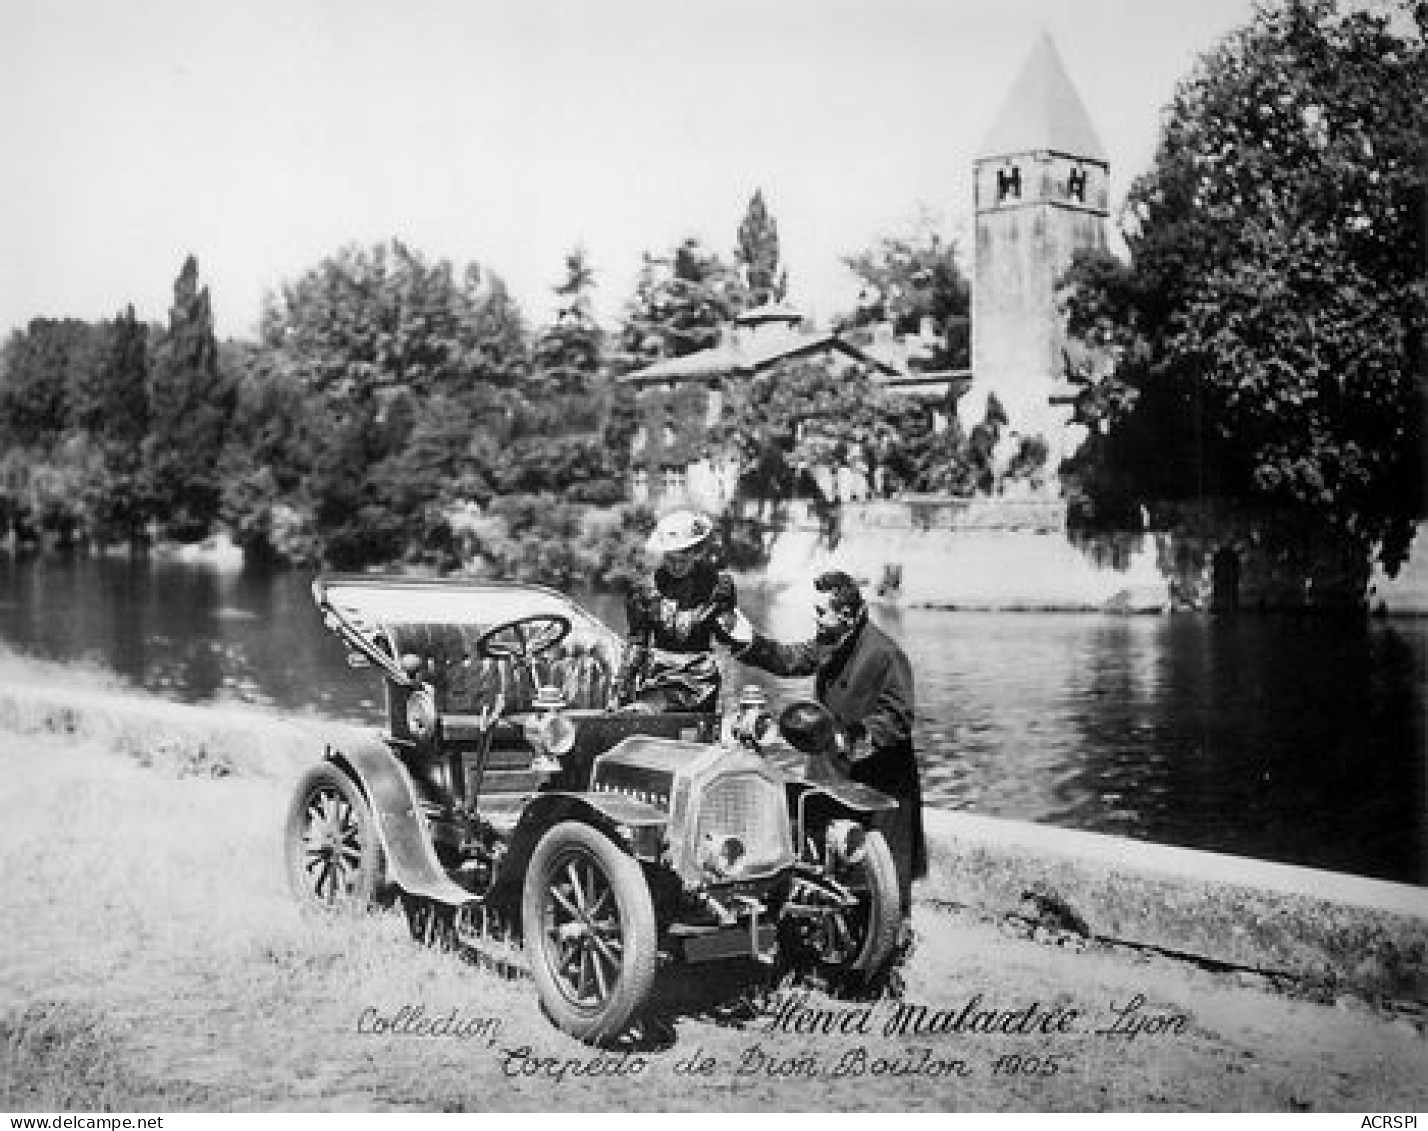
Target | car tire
(874,926)
(589,929)
(335,860)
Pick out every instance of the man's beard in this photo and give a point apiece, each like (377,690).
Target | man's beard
(831,634)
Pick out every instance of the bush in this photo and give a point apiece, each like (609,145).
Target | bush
(539,539)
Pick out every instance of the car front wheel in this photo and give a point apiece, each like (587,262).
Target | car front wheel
(334,855)
(859,940)
(589,926)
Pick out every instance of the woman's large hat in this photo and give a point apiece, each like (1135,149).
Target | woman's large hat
(679,530)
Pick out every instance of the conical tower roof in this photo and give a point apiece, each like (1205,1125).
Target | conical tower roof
(1043,111)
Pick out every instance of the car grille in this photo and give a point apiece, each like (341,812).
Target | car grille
(750,807)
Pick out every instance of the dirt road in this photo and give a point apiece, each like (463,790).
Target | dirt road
(152,961)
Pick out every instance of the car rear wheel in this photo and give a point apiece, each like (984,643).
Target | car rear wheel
(334,855)
(859,940)
(589,926)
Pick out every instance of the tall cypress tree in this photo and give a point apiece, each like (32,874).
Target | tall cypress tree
(757,254)
(191,402)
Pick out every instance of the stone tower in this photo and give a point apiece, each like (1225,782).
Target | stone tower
(1040,190)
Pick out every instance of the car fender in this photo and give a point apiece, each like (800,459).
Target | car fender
(634,826)
(411,859)
(851,795)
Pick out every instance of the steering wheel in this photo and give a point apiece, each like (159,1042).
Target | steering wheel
(524,637)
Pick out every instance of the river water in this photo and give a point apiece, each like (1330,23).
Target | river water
(1297,739)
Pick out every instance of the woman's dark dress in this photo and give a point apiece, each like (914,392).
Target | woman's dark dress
(672,625)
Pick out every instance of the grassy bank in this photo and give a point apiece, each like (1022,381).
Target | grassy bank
(161,964)
(87,704)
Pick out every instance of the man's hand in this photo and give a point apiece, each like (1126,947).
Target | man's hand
(849,746)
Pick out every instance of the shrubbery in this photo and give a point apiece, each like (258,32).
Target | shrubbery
(538,538)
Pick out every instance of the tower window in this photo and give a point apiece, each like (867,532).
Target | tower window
(1076,185)
(1009,184)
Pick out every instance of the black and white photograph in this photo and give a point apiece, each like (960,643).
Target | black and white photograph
(713,556)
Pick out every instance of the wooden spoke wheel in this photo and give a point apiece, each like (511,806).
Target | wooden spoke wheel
(589,926)
(860,939)
(335,860)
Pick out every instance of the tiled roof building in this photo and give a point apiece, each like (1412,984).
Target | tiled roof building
(680,399)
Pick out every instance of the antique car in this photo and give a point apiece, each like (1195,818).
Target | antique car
(512,797)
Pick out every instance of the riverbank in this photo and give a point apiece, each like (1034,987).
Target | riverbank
(161,965)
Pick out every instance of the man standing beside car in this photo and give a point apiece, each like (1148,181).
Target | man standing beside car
(864,679)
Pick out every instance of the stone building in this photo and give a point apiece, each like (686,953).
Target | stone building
(1040,195)
(679,399)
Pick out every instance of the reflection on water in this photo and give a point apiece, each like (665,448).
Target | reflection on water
(1296,739)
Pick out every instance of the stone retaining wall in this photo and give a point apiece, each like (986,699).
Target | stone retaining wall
(1018,555)
(1336,931)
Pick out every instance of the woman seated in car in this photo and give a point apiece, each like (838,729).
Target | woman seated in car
(672,615)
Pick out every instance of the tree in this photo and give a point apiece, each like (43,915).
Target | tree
(41,368)
(568,353)
(116,498)
(267,458)
(190,404)
(793,427)
(680,304)
(407,371)
(800,416)
(757,255)
(351,511)
(566,438)
(912,279)
(367,320)
(1265,341)
(493,341)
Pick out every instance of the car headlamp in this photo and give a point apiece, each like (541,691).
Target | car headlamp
(846,841)
(421,713)
(751,724)
(551,733)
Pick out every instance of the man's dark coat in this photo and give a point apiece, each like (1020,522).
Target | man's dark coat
(866,683)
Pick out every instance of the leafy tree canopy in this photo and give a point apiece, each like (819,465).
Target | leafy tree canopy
(368,319)
(804,416)
(1265,341)
(679,305)
(909,278)
(43,372)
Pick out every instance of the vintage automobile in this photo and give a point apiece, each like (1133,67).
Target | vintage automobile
(512,797)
